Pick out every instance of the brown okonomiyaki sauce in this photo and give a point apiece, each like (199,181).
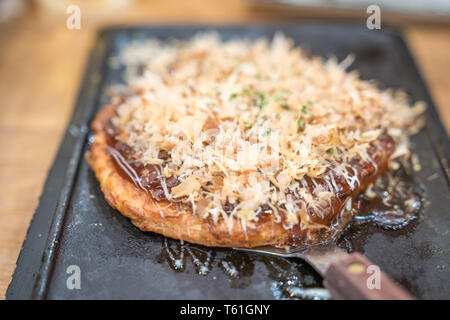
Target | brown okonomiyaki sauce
(392,205)
(386,202)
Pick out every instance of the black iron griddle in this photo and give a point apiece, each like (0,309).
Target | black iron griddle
(73,224)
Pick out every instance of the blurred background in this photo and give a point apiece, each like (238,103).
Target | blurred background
(42,60)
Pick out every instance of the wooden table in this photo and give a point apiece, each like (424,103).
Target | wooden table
(41,63)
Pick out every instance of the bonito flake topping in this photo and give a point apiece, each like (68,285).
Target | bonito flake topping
(243,123)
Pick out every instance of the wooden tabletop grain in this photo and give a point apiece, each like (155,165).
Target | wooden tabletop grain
(41,63)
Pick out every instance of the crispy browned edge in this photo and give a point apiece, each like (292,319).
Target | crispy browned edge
(140,207)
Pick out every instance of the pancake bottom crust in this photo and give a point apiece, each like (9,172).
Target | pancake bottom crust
(178,221)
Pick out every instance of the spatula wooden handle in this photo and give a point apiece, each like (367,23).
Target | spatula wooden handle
(354,277)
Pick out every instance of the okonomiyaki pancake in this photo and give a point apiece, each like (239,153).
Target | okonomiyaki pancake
(243,144)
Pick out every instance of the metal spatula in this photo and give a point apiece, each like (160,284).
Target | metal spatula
(346,276)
